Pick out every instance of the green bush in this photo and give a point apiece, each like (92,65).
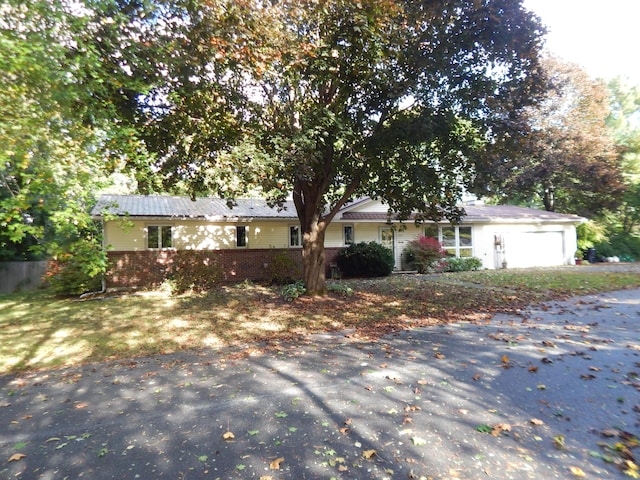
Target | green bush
(365,260)
(293,290)
(589,234)
(78,269)
(195,271)
(282,268)
(622,245)
(464,264)
(340,288)
(424,254)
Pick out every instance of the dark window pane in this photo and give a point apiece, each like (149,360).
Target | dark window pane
(465,236)
(449,236)
(241,236)
(153,237)
(348,235)
(294,236)
(166,237)
(431,231)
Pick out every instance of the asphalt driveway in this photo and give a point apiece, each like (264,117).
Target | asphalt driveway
(552,392)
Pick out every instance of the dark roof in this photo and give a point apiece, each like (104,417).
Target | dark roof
(485,214)
(183,207)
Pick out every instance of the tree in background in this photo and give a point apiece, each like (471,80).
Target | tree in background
(621,226)
(65,78)
(328,101)
(564,156)
(624,120)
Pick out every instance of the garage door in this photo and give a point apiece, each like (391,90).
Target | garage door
(534,249)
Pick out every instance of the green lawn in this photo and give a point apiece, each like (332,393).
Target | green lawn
(38,330)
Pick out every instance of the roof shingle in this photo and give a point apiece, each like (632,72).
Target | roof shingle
(184,207)
(217,209)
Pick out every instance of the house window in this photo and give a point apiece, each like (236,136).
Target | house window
(348,234)
(457,241)
(295,236)
(432,231)
(465,244)
(241,235)
(159,236)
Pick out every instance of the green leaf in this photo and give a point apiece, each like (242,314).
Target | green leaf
(484,428)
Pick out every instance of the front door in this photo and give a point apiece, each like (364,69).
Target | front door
(387,239)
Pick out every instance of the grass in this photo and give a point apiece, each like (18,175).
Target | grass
(38,330)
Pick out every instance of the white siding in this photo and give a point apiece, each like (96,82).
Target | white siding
(200,235)
(121,236)
(525,245)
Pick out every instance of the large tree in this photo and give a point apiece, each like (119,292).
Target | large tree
(564,155)
(67,80)
(327,101)
(330,100)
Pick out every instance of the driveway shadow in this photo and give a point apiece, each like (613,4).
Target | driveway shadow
(419,403)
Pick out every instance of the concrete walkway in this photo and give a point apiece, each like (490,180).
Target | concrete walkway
(531,396)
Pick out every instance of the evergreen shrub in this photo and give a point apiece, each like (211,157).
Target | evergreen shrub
(365,259)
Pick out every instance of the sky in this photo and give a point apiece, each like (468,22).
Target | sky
(601,36)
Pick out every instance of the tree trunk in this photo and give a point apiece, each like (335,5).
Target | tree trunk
(549,200)
(313,259)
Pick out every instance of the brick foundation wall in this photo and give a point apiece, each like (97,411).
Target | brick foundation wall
(150,268)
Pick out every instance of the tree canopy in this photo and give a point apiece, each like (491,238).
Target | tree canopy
(330,100)
(325,101)
(64,79)
(565,156)
(624,120)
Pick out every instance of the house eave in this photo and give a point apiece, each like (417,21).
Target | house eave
(209,219)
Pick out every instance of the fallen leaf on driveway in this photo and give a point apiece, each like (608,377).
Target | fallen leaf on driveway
(275,464)
(228,436)
(16,456)
(535,421)
(368,454)
(418,441)
(577,472)
(499,428)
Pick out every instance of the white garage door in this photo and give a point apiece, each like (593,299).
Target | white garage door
(534,249)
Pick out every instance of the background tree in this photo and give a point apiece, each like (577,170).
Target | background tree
(564,156)
(624,120)
(327,101)
(65,75)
